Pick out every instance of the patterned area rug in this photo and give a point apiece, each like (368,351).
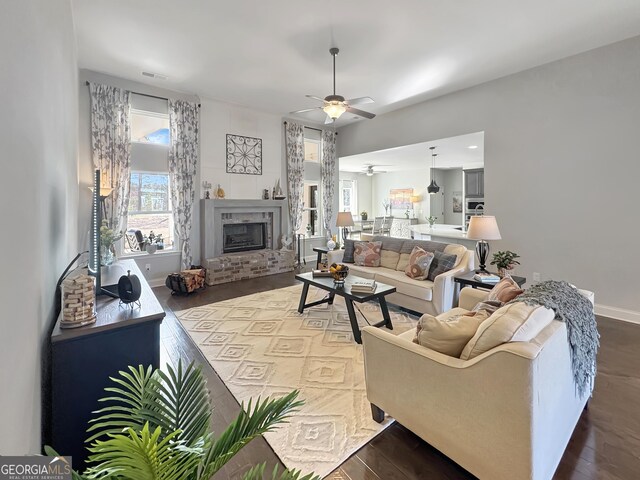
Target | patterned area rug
(261,346)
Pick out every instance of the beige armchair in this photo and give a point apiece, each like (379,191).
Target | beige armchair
(507,414)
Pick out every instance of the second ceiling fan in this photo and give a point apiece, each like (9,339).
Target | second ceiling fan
(335,105)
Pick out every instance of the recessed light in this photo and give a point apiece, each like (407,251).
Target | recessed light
(472,147)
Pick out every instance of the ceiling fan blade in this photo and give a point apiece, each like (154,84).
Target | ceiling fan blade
(306,110)
(359,101)
(328,120)
(361,113)
(315,98)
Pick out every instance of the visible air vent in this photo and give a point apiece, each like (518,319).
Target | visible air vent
(154,75)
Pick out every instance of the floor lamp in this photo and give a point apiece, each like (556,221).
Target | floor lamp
(483,228)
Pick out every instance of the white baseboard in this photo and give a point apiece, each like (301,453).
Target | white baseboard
(618,313)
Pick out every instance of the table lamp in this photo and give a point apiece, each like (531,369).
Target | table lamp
(345,219)
(483,228)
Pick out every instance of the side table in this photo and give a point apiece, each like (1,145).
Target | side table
(467,280)
(321,251)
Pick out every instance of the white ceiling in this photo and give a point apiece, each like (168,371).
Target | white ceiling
(453,152)
(269,54)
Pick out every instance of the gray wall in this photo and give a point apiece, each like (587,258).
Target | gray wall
(38,199)
(561,163)
(452,183)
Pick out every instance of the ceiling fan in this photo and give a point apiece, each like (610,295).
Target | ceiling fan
(369,170)
(335,105)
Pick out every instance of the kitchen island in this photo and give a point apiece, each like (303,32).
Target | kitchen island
(442,233)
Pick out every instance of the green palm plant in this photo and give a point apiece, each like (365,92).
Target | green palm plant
(156,426)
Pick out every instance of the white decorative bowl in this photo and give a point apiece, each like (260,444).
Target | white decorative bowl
(151,248)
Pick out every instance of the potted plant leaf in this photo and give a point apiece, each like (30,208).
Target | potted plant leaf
(157,425)
(505,261)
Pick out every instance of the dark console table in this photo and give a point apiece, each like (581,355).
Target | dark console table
(83,359)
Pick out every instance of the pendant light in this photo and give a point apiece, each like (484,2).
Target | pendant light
(433,187)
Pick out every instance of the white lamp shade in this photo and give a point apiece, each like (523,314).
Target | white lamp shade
(345,219)
(483,227)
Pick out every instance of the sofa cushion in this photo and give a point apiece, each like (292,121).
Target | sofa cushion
(505,290)
(389,258)
(419,263)
(448,333)
(362,271)
(367,253)
(391,244)
(458,250)
(442,262)
(403,262)
(420,289)
(349,246)
(426,245)
(516,322)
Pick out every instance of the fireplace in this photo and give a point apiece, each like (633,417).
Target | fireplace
(240,237)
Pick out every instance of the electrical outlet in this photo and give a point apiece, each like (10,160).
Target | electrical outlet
(536,276)
(147,267)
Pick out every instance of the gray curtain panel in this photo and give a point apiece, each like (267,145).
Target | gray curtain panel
(328,172)
(294,137)
(111,148)
(184,125)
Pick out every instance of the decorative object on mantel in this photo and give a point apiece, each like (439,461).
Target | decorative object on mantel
(244,155)
(433,187)
(265,194)
(277,191)
(78,301)
(287,242)
(219,192)
(344,220)
(129,289)
(207,189)
(483,228)
(108,237)
(364,215)
(505,261)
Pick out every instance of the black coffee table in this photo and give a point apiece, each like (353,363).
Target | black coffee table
(326,283)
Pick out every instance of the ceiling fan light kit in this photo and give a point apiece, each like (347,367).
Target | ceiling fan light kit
(335,105)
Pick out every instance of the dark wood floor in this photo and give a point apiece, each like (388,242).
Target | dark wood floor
(605,444)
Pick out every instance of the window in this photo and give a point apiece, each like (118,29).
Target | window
(150,207)
(312,194)
(149,127)
(349,197)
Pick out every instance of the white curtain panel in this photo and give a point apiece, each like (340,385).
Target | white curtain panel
(328,173)
(111,148)
(294,137)
(184,124)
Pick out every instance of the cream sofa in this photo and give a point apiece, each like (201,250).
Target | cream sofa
(507,414)
(424,296)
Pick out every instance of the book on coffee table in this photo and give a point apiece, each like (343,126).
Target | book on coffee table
(321,273)
(363,286)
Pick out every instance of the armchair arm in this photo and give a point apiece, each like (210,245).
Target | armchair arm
(335,256)
(470,297)
(444,290)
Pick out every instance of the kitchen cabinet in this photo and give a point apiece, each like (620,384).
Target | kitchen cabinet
(474,183)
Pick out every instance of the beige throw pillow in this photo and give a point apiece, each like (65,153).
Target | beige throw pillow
(419,263)
(516,322)
(367,254)
(448,334)
(403,262)
(458,250)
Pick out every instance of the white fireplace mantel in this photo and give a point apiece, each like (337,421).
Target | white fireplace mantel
(211,220)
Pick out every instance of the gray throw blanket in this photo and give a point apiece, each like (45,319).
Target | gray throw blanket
(574,309)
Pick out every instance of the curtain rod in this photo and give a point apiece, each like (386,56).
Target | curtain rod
(311,128)
(144,94)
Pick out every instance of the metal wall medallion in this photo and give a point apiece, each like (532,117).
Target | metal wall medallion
(244,155)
